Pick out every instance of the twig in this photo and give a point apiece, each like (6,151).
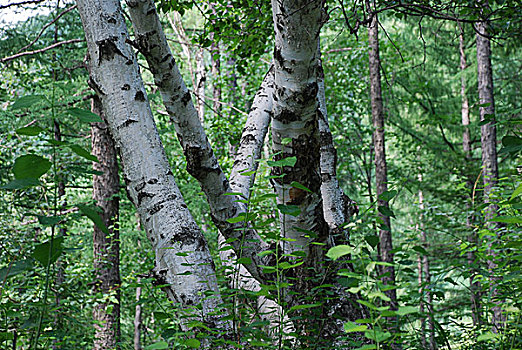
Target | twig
(53,46)
(20,3)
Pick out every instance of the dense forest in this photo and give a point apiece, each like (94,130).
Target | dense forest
(247,174)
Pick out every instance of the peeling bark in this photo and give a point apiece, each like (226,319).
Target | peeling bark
(178,243)
(106,247)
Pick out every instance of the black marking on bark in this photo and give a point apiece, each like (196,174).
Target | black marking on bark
(156,208)
(310,92)
(143,194)
(186,98)
(139,96)
(95,86)
(152,181)
(170,173)
(286,116)
(125,87)
(189,236)
(172,63)
(166,57)
(140,186)
(151,11)
(129,63)
(162,236)
(107,49)
(248,139)
(127,123)
(278,57)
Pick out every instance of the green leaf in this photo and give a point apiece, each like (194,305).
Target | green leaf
(367,347)
(367,304)
(386,211)
(487,336)
(372,240)
(158,315)
(193,343)
(405,310)
(20,184)
(83,153)
(16,268)
(305,306)
(244,261)
(30,166)
(239,218)
(266,252)
(47,253)
(29,130)
(387,195)
(292,210)
(508,219)
(420,250)
(286,140)
(27,101)
(509,141)
(299,186)
(516,192)
(84,115)
(158,345)
(6,336)
(288,161)
(92,214)
(48,220)
(379,295)
(350,327)
(336,252)
(377,335)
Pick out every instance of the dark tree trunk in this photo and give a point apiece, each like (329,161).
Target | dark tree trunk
(106,247)
(488,141)
(381,177)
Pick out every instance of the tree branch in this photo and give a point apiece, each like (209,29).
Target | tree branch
(28,53)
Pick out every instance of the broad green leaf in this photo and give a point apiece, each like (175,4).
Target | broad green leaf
(266,252)
(6,336)
(29,130)
(16,268)
(85,115)
(372,240)
(299,186)
(509,141)
(92,214)
(158,315)
(336,252)
(30,166)
(20,184)
(193,343)
(48,252)
(288,161)
(379,295)
(158,345)
(27,101)
(405,310)
(387,195)
(367,347)
(286,140)
(83,153)
(367,304)
(244,261)
(48,220)
(386,211)
(350,327)
(508,219)
(292,210)
(420,250)
(487,336)
(377,335)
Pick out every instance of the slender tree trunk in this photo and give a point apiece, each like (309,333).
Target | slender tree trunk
(488,142)
(175,237)
(381,177)
(466,147)
(106,245)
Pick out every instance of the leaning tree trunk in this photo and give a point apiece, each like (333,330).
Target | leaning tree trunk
(466,147)
(177,240)
(106,244)
(381,177)
(488,141)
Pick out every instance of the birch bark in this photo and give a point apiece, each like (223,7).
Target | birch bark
(106,246)
(178,243)
(201,161)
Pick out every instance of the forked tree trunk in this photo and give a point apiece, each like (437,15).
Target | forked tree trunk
(488,141)
(106,245)
(466,147)
(177,241)
(381,176)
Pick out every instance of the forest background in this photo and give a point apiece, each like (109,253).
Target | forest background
(454,263)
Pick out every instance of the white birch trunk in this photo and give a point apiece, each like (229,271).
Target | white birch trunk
(201,161)
(178,243)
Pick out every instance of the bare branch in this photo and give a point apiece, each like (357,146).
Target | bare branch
(20,3)
(28,53)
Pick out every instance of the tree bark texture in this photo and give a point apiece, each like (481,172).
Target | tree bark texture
(106,247)
(201,161)
(381,177)
(295,120)
(488,141)
(183,261)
